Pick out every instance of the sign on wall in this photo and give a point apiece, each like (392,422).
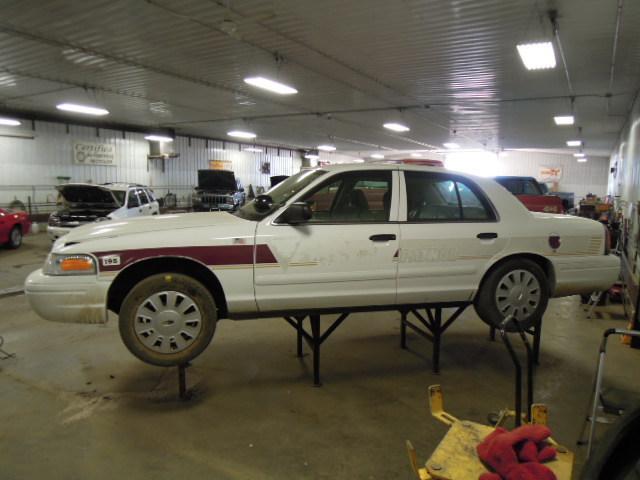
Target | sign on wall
(94,153)
(220,165)
(550,174)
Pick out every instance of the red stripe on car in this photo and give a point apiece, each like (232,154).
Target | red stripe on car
(215,255)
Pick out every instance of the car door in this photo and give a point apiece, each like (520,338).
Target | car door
(154,206)
(134,208)
(449,231)
(343,256)
(146,208)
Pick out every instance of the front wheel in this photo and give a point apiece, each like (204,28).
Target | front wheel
(15,237)
(517,288)
(168,319)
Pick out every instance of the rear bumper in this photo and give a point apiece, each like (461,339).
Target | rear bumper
(68,299)
(585,274)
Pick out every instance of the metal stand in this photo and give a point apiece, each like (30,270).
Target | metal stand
(183,393)
(4,355)
(432,331)
(597,400)
(518,368)
(535,332)
(314,339)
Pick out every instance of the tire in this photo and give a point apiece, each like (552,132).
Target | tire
(181,327)
(15,237)
(518,287)
(616,456)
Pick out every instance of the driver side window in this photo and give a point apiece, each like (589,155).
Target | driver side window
(132,199)
(353,197)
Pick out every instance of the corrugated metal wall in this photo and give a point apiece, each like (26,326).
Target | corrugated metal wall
(30,167)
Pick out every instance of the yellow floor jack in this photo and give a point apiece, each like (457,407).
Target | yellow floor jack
(455,458)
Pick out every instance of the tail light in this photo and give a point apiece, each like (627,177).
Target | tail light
(607,240)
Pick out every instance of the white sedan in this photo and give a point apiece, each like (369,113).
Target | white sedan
(340,237)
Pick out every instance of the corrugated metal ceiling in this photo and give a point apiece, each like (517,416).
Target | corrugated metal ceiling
(175,63)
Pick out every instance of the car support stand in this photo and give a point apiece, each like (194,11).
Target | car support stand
(183,393)
(434,328)
(313,339)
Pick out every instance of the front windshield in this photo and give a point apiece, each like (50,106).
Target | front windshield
(119,194)
(280,194)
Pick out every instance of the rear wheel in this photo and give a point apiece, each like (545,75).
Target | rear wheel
(15,237)
(168,319)
(517,288)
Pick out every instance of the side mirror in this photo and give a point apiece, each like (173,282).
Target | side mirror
(263,203)
(297,213)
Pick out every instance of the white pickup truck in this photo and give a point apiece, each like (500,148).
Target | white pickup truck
(340,237)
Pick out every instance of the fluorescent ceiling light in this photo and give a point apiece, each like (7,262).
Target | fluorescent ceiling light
(311,156)
(414,154)
(582,160)
(253,149)
(241,134)
(574,143)
(87,110)
(578,155)
(563,119)
(451,145)
(271,85)
(379,156)
(10,121)
(158,138)
(358,160)
(537,56)
(396,127)
(326,148)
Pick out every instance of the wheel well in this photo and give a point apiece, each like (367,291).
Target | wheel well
(129,277)
(544,263)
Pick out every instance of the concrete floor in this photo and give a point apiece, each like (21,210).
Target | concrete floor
(76,404)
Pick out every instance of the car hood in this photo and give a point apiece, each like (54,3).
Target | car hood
(143,225)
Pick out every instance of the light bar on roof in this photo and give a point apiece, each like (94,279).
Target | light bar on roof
(537,56)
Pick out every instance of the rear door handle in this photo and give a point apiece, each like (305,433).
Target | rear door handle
(382,237)
(487,235)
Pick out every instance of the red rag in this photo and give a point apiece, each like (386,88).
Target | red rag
(498,451)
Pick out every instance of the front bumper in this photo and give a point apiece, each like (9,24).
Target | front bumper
(585,274)
(57,232)
(68,299)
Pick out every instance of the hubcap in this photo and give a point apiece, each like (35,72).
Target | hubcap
(15,236)
(518,294)
(168,322)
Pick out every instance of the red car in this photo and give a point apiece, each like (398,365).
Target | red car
(13,226)
(531,194)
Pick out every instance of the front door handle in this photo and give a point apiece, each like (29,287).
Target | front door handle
(487,235)
(382,237)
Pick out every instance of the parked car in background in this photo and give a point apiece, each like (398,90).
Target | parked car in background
(532,194)
(217,190)
(14,225)
(334,238)
(82,203)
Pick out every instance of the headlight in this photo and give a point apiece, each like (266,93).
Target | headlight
(57,264)
(54,220)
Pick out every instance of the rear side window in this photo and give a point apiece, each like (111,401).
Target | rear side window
(443,198)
